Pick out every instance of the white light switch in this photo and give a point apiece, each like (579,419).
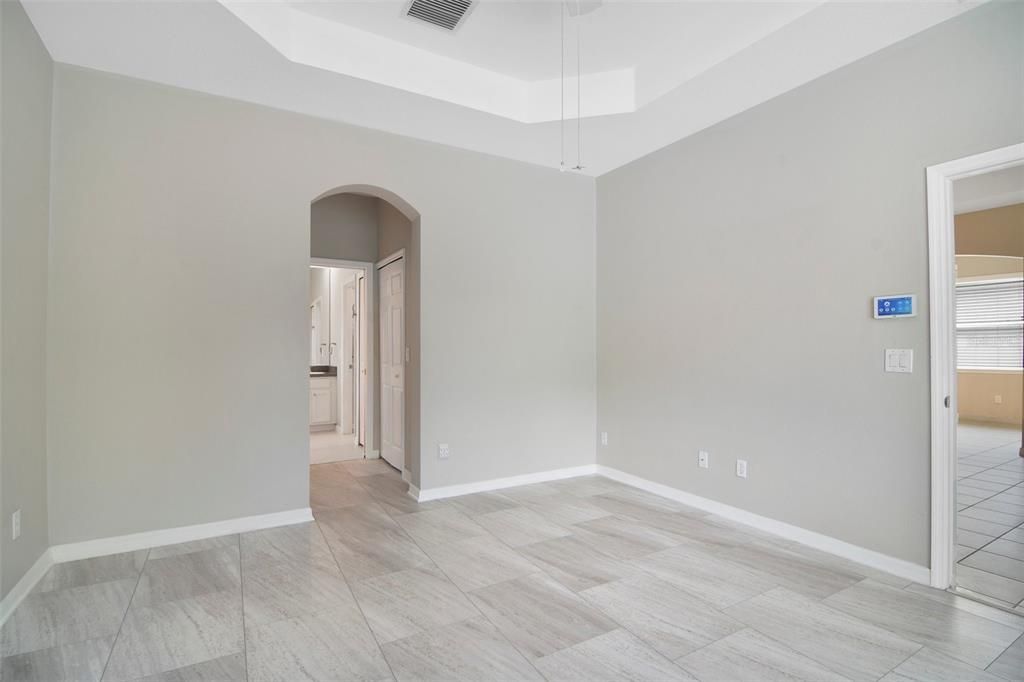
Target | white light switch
(899,359)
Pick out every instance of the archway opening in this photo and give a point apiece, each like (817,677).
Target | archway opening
(364,241)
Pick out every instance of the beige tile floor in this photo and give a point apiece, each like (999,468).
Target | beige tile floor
(331,446)
(990,513)
(583,579)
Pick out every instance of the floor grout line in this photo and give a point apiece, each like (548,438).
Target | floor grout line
(241,587)
(124,617)
(348,583)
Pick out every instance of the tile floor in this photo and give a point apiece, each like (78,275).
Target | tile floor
(990,513)
(331,446)
(583,579)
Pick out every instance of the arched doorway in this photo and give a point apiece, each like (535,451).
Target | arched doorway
(373,229)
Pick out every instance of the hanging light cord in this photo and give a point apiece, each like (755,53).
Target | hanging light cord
(579,91)
(561,93)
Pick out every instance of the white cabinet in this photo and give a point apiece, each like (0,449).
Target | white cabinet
(323,397)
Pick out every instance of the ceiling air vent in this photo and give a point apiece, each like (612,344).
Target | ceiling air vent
(443,13)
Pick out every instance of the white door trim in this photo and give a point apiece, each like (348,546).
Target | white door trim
(941,282)
(368,269)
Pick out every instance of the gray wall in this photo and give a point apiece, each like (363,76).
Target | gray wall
(27,87)
(735,276)
(344,226)
(178,405)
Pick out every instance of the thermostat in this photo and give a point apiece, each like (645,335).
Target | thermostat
(904,305)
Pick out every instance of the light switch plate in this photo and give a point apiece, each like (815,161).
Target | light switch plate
(16,525)
(703,459)
(899,360)
(741,468)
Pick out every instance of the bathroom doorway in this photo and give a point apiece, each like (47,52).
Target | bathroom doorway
(338,358)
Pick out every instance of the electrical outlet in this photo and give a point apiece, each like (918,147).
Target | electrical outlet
(703,459)
(604,438)
(16,525)
(443,451)
(741,468)
(997,399)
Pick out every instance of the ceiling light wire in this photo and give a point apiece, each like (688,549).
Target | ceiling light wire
(579,90)
(561,93)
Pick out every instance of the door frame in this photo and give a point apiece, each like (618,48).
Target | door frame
(941,283)
(352,342)
(370,449)
(382,263)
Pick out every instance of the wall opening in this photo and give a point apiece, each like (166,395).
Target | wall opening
(372,234)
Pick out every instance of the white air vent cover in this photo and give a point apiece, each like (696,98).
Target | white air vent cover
(443,13)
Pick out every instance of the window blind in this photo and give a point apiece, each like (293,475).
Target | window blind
(990,324)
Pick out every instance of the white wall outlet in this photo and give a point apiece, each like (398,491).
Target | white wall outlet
(604,438)
(16,525)
(703,459)
(997,399)
(443,451)
(741,468)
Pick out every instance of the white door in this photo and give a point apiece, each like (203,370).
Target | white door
(392,363)
(347,362)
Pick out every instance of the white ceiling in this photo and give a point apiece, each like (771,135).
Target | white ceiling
(661,70)
(989,190)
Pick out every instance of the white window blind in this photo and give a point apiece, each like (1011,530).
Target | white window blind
(990,324)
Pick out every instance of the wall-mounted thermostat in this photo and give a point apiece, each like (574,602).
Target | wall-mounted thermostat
(904,305)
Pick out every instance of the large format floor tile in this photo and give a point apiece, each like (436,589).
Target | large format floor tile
(1010,663)
(126,566)
(617,655)
(574,563)
(467,651)
(325,647)
(539,616)
(224,669)
(749,655)
(82,661)
(182,576)
(439,526)
(477,562)
(964,636)
(405,603)
(576,579)
(667,618)
(520,526)
(48,619)
(928,665)
(367,542)
(842,643)
(706,575)
(175,634)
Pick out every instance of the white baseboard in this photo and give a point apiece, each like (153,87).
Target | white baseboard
(509,482)
(867,557)
(25,585)
(171,536)
(413,492)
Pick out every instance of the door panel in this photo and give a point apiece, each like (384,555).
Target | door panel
(392,363)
